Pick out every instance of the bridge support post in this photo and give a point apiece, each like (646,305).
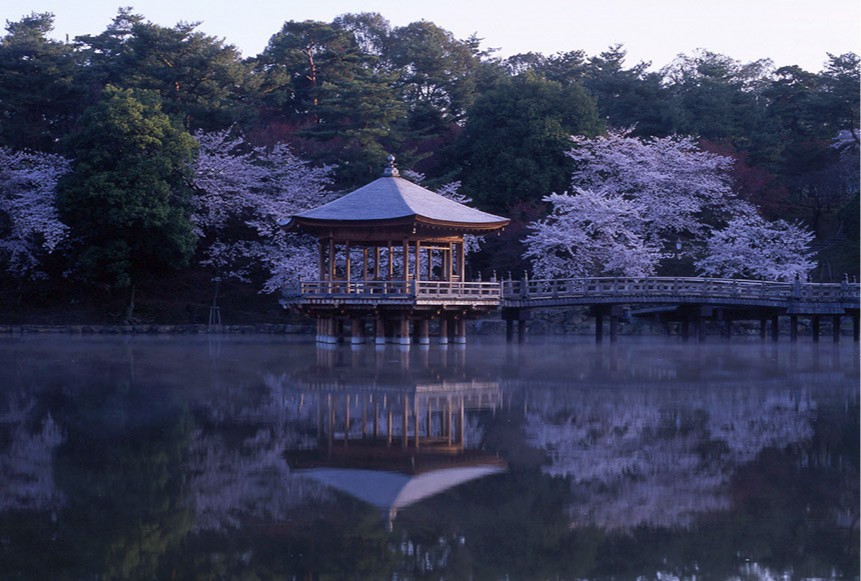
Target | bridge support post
(404,335)
(816,328)
(686,329)
(521,330)
(763,327)
(424,331)
(855,322)
(701,322)
(380,330)
(835,328)
(775,328)
(357,331)
(615,314)
(509,331)
(443,329)
(793,328)
(460,330)
(599,327)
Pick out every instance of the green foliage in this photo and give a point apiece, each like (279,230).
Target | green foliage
(514,143)
(348,92)
(40,96)
(126,199)
(202,82)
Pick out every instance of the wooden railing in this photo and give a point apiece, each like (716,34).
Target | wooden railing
(416,290)
(523,293)
(664,287)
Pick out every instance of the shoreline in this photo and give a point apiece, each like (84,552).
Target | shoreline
(158,329)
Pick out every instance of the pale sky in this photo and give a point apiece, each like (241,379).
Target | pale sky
(786,31)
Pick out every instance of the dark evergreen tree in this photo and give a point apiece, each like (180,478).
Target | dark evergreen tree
(514,143)
(127,197)
(40,96)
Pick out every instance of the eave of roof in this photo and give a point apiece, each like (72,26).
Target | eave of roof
(396,200)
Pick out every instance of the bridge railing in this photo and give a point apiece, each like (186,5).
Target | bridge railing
(670,286)
(394,289)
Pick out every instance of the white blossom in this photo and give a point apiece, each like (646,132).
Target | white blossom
(591,233)
(30,222)
(672,180)
(257,188)
(751,247)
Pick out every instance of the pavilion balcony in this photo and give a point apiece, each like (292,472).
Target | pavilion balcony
(393,292)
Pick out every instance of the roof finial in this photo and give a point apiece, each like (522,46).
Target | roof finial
(391,171)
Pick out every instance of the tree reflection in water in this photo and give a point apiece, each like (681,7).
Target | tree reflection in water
(187,458)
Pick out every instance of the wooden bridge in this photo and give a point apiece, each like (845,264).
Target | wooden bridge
(692,302)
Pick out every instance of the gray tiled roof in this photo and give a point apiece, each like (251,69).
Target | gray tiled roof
(389,198)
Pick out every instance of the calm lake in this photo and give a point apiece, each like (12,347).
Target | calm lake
(261,457)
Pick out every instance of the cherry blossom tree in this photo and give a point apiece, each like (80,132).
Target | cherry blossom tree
(29,222)
(675,183)
(591,233)
(244,193)
(632,198)
(751,247)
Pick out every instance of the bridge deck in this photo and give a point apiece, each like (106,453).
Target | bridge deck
(796,298)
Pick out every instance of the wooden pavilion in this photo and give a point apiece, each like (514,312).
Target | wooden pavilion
(392,253)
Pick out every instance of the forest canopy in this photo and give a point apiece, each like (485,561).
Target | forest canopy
(327,101)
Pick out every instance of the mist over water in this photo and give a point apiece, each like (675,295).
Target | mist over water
(217,456)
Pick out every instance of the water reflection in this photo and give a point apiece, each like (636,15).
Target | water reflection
(193,457)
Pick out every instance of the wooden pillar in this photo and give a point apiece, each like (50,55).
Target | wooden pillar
(793,328)
(443,329)
(763,328)
(599,327)
(376,421)
(509,330)
(331,259)
(389,426)
(418,250)
(614,328)
(855,322)
(365,263)
(685,328)
(460,330)
(447,420)
(357,330)
(424,331)
(380,330)
(461,261)
(701,328)
(775,328)
(405,424)
(404,336)
(391,265)
(448,262)
(430,264)
(815,328)
(521,330)
(835,328)
(347,265)
(462,423)
(417,419)
(377,262)
(321,259)
(406,261)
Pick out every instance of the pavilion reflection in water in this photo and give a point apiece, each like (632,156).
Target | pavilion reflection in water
(392,434)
